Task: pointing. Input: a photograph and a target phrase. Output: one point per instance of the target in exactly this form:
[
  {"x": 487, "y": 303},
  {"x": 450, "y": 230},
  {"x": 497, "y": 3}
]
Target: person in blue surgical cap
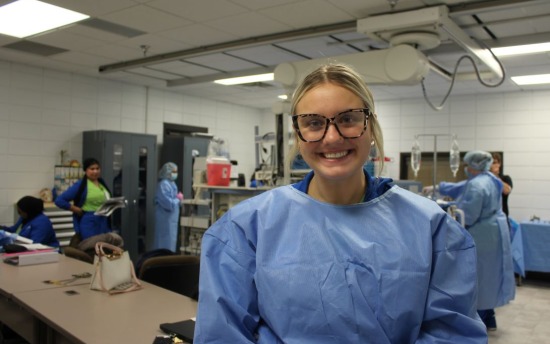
[
  {"x": 167, "y": 208},
  {"x": 341, "y": 256},
  {"x": 480, "y": 199}
]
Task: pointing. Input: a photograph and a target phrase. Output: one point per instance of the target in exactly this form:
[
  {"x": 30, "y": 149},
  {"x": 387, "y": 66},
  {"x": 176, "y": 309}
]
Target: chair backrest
[
  {"x": 77, "y": 254},
  {"x": 178, "y": 273}
]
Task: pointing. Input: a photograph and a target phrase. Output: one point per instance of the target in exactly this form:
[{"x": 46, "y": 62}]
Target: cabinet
[
  {"x": 62, "y": 221},
  {"x": 129, "y": 168},
  {"x": 217, "y": 201}
]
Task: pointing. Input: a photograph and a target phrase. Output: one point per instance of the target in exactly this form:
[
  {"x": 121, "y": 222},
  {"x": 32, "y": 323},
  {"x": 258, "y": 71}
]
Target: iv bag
[
  {"x": 415, "y": 158},
  {"x": 454, "y": 157}
]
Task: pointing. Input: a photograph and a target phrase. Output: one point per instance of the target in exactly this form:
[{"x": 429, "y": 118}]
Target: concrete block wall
[{"x": 44, "y": 111}]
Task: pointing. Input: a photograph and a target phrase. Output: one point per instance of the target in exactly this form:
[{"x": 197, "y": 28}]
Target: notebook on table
[{"x": 184, "y": 330}]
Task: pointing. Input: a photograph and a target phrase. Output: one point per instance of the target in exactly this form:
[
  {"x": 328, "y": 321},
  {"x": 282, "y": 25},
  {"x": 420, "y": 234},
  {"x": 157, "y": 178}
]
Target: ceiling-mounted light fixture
[
  {"x": 538, "y": 79},
  {"x": 521, "y": 49},
  {"x": 245, "y": 79},
  {"x": 25, "y": 18}
]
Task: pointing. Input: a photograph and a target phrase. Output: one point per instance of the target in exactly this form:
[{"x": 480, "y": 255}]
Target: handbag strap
[{"x": 99, "y": 246}]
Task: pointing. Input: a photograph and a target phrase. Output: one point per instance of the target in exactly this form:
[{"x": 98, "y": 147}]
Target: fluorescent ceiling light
[
  {"x": 245, "y": 79},
  {"x": 532, "y": 79},
  {"x": 25, "y": 18},
  {"x": 521, "y": 49},
  {"x": 283, "y": 97}
]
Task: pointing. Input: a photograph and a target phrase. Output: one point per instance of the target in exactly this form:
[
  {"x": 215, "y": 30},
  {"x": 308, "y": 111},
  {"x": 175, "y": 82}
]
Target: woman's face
[
  {"x": 93, "y": 172},
  {"x": 495, "y": 167},
  {"x": 333, "y": 158},
  {"x": 22, "y": 213}
]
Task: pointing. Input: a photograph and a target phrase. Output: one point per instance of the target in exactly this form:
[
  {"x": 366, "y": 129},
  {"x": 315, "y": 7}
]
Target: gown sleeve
[
  {"x": 228, "y": 307},
  {"x": 450, "y": 314},
  {"x": 166, "y": 196},
  {"x": 452, "y": 189},
  {"x": 13, "y": 229},
  {"x": 471, "y": 202}
]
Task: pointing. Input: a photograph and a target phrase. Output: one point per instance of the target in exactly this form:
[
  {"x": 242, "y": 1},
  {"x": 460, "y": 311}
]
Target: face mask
[
  {"x": 174, "y": 176},
  {"x": 468, "y": 174}
]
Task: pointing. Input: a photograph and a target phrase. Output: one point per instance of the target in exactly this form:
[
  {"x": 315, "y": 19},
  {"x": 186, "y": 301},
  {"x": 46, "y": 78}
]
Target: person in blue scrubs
[
  {"x": 167, "y": 208},
  {"x": 33, "y": 223},
  {"x": 341, "y": 256},
  {"x": 83, "y": 198},
  {"x": 480, "y": 198}
]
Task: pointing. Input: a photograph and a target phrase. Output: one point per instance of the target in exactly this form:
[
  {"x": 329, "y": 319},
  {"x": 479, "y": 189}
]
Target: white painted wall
[
  {"x": 518, "y": 124},
  {"x": 43, "y": 111}
]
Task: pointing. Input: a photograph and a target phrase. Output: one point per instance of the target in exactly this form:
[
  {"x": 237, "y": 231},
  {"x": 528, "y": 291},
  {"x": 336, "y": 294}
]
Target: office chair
[
  {"x": 76, "y": 253},
  {"x": 84, "y": 250},
  {"x": 178, "y": 273}
]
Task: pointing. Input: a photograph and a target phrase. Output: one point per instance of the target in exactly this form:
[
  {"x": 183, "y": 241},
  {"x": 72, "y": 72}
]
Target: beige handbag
[{"x": 114, "y": 272}]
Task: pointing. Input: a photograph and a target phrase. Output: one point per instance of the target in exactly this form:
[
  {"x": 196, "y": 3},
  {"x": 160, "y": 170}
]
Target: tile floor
[{"x": 527, "y": 318}]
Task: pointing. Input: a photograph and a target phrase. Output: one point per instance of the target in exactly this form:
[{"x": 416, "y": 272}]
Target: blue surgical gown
[
  {"x": 480, "y": 199},
  {"x": 167, "y": 211},
  {"x": 283, "y": 267}
]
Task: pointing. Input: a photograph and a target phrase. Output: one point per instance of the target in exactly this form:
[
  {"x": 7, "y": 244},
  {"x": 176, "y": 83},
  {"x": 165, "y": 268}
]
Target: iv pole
[{"x": 435, "y": 136}]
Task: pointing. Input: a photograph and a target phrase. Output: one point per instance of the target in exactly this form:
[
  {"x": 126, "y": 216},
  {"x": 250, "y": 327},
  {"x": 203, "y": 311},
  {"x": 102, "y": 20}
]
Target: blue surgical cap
[
  {"x": 479, "y": 160},
  {"x": 166, "y": 170}
]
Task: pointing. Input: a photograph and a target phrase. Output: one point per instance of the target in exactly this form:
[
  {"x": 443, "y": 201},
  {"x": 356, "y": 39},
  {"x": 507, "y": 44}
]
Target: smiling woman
[{"x": 332, "y": 252}]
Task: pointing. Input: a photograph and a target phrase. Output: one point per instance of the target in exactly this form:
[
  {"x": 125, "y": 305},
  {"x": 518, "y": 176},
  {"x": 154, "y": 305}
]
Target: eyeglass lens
[{"x": 350, "y": 124}]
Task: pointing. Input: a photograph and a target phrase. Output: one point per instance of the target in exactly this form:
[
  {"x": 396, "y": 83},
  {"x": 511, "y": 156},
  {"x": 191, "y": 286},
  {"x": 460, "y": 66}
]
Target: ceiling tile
[
  {"x": 184, "y": 69},
  {"x": 66, "y": 40},
  {"x": 145, "y": 18},
  {"x": 222, "y": 62},
  {"x": 93, "y": 8},
  {"x": 261, "y": 4},
  {"x": 242, "y": 25},
  {"x": 198, "y": 10},
  {"x": 198, "y": 35},
  {"x": 300, "y": 14}
]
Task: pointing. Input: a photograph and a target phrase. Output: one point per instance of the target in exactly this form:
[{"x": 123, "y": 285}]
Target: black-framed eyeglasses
[{"x": 350, "y": 124}]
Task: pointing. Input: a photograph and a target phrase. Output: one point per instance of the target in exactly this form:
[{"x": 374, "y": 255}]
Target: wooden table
[
  {"x": 46, "y": 313},
  {"x": 22, "y": 279},
  {"x": 96, "y": 317}
]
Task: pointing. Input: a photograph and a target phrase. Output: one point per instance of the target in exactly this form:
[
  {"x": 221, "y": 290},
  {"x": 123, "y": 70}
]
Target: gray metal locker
[{"x": 129, "y": 168}]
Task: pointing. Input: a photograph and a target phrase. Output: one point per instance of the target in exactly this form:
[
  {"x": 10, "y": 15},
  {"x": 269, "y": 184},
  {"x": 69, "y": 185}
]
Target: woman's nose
[{"x": 332, "y": 133}]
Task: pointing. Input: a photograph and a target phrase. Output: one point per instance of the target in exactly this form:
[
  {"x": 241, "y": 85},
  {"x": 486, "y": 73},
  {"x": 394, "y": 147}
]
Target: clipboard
[{"x": 184, "y": 330}]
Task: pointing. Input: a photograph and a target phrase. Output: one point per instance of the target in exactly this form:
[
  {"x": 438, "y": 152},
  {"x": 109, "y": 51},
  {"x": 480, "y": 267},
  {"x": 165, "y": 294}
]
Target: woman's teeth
[{"x": 335, "y": 155}]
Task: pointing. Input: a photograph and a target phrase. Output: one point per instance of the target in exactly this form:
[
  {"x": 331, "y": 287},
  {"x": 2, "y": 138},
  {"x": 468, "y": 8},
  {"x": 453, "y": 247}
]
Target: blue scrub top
[{"x": 283, "y": 267}]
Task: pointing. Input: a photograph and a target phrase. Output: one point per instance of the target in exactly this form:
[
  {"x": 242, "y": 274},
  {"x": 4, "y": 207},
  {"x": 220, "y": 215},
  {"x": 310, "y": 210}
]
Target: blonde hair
[{"x": 344, "y": 76}]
